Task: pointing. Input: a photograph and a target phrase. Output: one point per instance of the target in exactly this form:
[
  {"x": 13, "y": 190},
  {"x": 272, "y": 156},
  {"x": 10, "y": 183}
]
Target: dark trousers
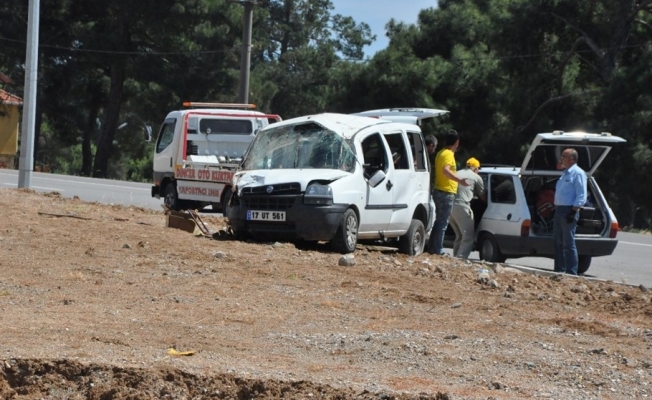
[
  {"x": 563, "y": 236},
  {"x": 443, "y": 209}
]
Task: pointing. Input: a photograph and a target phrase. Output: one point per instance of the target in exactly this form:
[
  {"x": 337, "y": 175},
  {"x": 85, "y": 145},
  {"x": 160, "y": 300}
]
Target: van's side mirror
[{"x": 376, "y": 178}]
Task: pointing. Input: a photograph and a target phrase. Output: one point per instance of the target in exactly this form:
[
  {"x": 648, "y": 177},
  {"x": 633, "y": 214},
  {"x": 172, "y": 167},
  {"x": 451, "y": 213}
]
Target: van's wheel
[
  {"x": 171, "y": 198},
  {"x": 583, "y": 264},
  {"x": 241, "y": 235},
  {"x": 489, "y": 250},
  {"x": 346, "y": 237},
  {"x": 414, "y": 240},
  {"x": 226, "y": 199}
]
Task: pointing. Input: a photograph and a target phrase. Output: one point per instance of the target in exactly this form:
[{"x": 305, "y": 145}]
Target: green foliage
[
  {"x": 140, "y": 170},
  {"x": 506, "y": 69},
  {"x": 68, "y": 160}
]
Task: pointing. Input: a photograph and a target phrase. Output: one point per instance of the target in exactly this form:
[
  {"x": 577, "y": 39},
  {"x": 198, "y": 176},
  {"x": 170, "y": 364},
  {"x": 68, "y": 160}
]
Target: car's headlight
[{"x": 317, "y": 193}]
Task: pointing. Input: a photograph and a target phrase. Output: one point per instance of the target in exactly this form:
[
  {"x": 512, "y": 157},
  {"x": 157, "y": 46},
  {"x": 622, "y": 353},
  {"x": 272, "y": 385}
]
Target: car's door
[
  {"x": 402, "y": 178},
  {"x": 506, "y": 206},
  {"x": 546, "y": 148},
  {"x": 408, "y": 184},
  {"x": 377, "y": 211},
  {"x": 166, "y": 145}
]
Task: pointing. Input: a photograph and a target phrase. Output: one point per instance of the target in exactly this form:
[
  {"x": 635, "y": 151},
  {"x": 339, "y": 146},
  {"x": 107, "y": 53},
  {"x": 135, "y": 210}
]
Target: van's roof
[{"x": 345, "y": 125}]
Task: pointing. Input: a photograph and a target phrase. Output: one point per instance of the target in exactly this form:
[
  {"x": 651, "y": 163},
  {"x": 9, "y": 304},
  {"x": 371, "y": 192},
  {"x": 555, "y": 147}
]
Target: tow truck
[{"x": 198, "y": 150}]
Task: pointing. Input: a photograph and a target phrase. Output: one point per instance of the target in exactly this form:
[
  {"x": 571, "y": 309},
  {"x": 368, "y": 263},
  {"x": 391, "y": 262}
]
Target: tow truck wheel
[
  {"x": 171, "y": 198},
  {"x": 346, "y": 237},
  {"x": 414, "y": 240}
]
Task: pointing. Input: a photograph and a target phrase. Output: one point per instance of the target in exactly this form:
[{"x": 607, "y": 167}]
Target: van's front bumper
[
  {"x": 302, "y": 221},
  {"x": 542, "y": 246}
]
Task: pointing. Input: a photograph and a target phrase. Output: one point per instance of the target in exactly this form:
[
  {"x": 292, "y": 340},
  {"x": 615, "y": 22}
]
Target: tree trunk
[
  {"x": 110, "y": 120},
  {"x": 626, "y": 15},
  {"x": 87, "y": 138},
  {"x": 87, "y": 152}
]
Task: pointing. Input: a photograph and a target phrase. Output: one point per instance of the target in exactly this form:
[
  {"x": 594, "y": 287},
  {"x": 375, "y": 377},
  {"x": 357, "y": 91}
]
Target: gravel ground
[{"x": 100, "y": 302}]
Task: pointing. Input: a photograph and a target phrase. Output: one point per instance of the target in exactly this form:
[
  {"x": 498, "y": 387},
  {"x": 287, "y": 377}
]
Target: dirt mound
[
  {"x": 64, "y": 379},
  {"x": 93, "y": 297}
]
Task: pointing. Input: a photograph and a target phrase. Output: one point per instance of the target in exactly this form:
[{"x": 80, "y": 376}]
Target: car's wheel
[
  {"x": 489, "y": 250},
  {"x": 414, "y": 240},
  {"x": 226, "y": 199},
  {"x": 171, "y": 198},
  {"x": 346, "y": 237},
  {"x": 584, "y": 262}
]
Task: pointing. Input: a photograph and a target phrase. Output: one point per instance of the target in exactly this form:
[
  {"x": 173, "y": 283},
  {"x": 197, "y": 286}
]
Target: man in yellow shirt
[{"x": 446, "y": 181}]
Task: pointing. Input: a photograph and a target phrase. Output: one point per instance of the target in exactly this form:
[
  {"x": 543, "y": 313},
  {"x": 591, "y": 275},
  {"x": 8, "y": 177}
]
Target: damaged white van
[{"x": 337, "y": 178}]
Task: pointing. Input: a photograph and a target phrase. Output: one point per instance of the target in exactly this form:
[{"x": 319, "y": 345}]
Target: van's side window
[
  {"x": 398, "y": 149},
  {"x": 374, "y": 154},
  {"x": 417, "y": 146},
  {"x": 166, "y": 134},
  {"x": 502, "y": 189}
]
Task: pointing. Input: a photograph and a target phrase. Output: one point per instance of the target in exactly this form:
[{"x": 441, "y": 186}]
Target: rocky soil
[{"x": 106, "y": 302}]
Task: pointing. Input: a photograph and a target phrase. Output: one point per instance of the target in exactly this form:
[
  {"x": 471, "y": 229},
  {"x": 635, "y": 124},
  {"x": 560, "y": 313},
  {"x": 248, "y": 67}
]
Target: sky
[{"x": 376, "y": 13}]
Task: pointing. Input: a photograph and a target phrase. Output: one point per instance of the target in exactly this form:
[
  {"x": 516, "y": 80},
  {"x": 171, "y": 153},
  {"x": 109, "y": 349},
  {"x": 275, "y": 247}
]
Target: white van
[
  {"x": 517, "y": 220},
  {"x": 338, "y": 178}
]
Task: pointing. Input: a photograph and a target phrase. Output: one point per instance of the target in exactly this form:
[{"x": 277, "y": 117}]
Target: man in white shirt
[{"x": 462, "y": 220}]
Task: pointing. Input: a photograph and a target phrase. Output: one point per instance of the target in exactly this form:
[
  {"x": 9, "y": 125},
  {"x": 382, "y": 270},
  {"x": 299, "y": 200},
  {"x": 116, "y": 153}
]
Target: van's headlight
[{"x": 318, "y": 194}]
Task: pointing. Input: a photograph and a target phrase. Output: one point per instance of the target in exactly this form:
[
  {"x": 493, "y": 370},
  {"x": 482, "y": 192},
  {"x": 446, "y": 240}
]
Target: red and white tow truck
[{"x": 199, "y": 148}]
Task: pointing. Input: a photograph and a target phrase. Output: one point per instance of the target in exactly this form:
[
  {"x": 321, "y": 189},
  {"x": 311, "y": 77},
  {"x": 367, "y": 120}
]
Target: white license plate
[{"x": 265, "y": 215}]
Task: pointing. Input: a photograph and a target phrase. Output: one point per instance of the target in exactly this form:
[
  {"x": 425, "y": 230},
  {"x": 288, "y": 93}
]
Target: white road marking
[
  {"x": 635, "y": 244},
  {"x": 37, "y": 187}
]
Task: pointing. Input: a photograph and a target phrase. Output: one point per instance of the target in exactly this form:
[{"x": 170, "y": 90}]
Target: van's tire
[
  {"x": 346, "y": 237},
  {"x": 413, "y": 242},
  {"x": 241, "y": 235},
  {"x": 171, "y": 197},
  {"x": 583, "y": 264},
  {"x": 226, "y": 199},
  {"x": 489, "y": 250}
]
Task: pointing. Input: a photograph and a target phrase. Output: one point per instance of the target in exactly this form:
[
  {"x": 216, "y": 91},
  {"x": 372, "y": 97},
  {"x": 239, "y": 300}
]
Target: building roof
[
  {"x": 4, "y": 78},
  {"x": 10, "y": 99}
]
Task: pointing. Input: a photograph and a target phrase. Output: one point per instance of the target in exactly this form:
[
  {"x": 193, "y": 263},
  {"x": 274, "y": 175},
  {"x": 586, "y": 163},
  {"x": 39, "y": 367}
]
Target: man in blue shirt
[{"x": 570, "y": 196}]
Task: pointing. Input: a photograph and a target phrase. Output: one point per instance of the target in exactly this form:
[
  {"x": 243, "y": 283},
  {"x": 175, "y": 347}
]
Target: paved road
[
  {"x": 88, "y": 189},
  {"x": 629, "y": 263}
]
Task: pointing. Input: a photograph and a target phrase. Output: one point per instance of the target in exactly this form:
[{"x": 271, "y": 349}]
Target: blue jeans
[
  {"x": 563, "y": 238},
  {"x": 443, "y": 209}
]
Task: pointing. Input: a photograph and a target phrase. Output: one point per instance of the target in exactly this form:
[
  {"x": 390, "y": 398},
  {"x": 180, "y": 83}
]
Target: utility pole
[
  {"x": 245, "y": 58},
  {"x": 26, "y": 163}
]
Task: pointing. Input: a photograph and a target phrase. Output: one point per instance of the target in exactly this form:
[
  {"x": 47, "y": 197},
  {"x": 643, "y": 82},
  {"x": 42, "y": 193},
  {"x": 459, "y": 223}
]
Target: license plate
[{"x": 265, "y": 215}]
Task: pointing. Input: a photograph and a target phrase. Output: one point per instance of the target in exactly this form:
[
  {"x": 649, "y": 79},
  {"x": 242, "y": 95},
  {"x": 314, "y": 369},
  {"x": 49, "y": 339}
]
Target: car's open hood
[
  {"x": 264, "y": 177},
  {"x": 546, "y": 149}
]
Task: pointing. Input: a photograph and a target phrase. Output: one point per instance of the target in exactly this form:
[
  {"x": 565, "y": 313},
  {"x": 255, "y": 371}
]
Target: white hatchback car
[
  {"x": 516, "y": 221},
  {"x": 337, "y": 178}
]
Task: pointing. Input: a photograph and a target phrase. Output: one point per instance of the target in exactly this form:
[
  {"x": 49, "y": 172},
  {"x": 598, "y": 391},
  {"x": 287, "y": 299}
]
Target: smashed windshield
[{"x": 307, "y": 145}]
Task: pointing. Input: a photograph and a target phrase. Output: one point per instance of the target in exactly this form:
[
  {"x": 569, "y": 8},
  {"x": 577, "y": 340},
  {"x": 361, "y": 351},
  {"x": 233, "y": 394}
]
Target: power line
[
  {"x": 191, "y": 52},
  {"x": 118, "y": 52}
]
